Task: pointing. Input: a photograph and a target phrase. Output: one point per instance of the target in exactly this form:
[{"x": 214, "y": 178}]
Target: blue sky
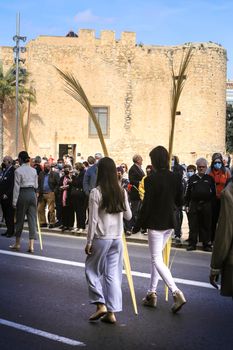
[{"x": 156, "y": 22}]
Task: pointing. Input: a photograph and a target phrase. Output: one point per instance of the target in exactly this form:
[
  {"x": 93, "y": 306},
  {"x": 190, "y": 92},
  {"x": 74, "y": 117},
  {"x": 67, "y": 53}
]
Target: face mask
[
  {"x": 190, "y": 173},
  {"x": 217, "y": 166},
  {"x": 59, "y": 166},
  {"x": 172, "y": 162},
  {"x": 46, "y": 170}
]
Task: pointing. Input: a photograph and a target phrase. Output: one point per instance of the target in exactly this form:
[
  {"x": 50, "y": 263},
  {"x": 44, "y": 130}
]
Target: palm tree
[{"x": 8, "y": 93}]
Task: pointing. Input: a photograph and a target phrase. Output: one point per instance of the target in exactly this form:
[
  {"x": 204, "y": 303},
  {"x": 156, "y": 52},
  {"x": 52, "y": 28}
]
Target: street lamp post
[{"x": 17, "y": 49}]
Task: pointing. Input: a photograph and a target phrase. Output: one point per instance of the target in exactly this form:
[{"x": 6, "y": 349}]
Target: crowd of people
[{"x": 109, "y": 199}]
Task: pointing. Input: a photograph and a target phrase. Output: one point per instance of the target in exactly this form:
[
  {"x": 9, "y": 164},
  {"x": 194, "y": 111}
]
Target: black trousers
[
  {"x": 8, "y": 213},
  {"x": 200, "y": 220},
  {"x": 215, "y": 216},
  {"x": 68, "y": 216},
  {"x": 135, "y": 208},
  {"x": 178, "y": 222},
  {"x": 79, "y": 203}
]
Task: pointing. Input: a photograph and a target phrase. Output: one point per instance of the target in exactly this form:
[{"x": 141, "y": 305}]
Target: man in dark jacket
[
  {"x": 48, "y": 183},
  {"x": 6, "y": 194},
  {"x": 135, "y": 176},
  {"x": 198, "y": 201}
]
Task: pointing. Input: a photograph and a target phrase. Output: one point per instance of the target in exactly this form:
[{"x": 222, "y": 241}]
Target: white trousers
[
  {"x": 103, "y": 270},
  {"x": 157, "y": 241}
]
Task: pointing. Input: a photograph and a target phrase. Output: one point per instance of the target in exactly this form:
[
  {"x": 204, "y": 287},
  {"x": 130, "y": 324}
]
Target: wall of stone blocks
[{"x": 135, "y": 82}]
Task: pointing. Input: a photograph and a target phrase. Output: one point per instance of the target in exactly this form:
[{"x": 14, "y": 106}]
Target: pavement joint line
[
  {"x": 82, "y": 265},
  {"x": 41, "y": 333}
]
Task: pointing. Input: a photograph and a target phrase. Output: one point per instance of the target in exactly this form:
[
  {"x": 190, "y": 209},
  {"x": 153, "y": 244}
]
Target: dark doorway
[{"x": 69, "y": 149}]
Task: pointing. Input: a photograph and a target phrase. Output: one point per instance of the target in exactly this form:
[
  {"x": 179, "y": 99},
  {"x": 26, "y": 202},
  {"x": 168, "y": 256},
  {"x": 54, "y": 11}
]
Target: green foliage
[
  {"x": 8, "y": 83},
  {"x": 229, "y": 128}
]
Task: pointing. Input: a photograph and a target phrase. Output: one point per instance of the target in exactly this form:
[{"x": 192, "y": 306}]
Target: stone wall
[{"x": 134, "y": 81}]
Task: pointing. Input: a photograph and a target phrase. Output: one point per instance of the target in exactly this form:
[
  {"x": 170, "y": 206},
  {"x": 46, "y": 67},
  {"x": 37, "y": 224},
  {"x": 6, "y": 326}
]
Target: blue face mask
[
  {"x": 190, "y": 173},
  {"x": 172, "y": 162},
  {"x": 217, "y": 166},
  {"x": 59, "y": 166}
]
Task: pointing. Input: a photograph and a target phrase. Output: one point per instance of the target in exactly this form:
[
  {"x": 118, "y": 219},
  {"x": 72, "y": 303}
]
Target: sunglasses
[{"x": 217, "y": 163}]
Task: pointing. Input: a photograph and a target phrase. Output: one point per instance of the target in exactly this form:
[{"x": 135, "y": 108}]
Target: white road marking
[
  {"x": 40, "y": 333},
  {"x": 79, "y": 264}
]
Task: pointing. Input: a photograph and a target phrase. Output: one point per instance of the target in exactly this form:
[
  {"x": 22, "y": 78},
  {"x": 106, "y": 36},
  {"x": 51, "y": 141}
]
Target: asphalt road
[{"x": 44, "y": 302}]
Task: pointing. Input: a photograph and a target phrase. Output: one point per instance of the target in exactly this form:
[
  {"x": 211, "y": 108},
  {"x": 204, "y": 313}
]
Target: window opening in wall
[{"x": 102, "y": 115}]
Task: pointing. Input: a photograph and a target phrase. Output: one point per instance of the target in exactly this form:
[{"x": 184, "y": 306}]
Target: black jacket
[
  {"x": 163, "y": 193},
  {"x": 200, "y": 189},
  {"x": 135, "y": 176},
  {"x": 7, "y": 183}
]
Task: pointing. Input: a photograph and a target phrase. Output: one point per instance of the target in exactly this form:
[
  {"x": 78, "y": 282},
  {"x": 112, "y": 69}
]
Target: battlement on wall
[{"x": 87, "y": 37}]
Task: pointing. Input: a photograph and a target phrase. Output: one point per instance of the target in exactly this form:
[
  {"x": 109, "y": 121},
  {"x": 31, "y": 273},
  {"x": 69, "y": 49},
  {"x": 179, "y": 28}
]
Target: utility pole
[{"x": 17, "y": 49}]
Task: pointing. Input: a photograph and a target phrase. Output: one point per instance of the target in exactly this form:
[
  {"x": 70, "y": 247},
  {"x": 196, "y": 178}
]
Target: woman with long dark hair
[
  {"x": 163, "y": 192},
  {"x": 108, "y": 205}
]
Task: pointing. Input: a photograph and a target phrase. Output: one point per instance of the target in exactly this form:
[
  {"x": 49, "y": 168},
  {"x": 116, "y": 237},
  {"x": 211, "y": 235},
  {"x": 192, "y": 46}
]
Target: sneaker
[
  {"x": 178, "y": 241},
  {"x": 51, "y": 225},
  {"x": 191, "y": 247},
  {"x": 207, "y": 248},
  {"x": 150, "y": 299},
  {"x": 128, "y": 233},
  {"x": 179, "y": 301},
  {"x": 80, "y": 230}
]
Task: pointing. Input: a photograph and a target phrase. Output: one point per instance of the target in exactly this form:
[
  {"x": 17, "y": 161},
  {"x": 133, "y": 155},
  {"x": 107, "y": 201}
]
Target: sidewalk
[{"x": 135, "y": 238}]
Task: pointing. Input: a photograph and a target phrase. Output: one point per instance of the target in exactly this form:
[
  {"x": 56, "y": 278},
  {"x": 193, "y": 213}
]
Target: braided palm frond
[
  {"x": 178, "y": 83},
  {"x": 75, "y": 90}
]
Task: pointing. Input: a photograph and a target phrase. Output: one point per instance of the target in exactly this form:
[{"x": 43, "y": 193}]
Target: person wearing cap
[
  {"x": 221, "y": 175},
  {"x": 24, "y": 200},
  {"x": 6, "y": 194}
]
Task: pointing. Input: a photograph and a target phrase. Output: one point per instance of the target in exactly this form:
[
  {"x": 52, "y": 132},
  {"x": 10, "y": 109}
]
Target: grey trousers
[
  {"x": 105, "y": 265},
  {"x": 26, "y": 205}
]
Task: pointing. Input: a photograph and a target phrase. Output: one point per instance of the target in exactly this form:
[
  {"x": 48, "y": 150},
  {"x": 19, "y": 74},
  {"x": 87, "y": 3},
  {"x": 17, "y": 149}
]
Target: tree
[
  {"x": 229, "y": 128},
  {"x": 8, "y": 93}
]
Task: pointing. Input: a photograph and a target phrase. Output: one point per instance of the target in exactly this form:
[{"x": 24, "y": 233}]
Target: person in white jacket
[{"x": 108, "y": 205}]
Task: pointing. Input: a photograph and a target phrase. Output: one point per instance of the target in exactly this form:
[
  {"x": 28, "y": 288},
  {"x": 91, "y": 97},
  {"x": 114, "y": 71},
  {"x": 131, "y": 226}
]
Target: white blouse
[{"x": 102, "y": 224}]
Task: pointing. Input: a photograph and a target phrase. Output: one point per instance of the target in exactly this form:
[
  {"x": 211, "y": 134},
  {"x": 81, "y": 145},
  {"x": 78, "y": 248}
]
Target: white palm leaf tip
[
  {"x": 178, "y": 83},
  {"x": 75, "y": 90}
]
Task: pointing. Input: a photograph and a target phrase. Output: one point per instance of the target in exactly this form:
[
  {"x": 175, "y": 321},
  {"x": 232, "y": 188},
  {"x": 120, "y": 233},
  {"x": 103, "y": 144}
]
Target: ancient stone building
[{"x": 130, "y": 87}]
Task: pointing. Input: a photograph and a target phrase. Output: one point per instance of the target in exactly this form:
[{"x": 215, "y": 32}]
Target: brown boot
[
  {"x": 179, "y": 301},
  {"x": 31, "y": 246},
  {"x": 100, "y": 311},
  {"x": 150, "y": 299},
  {"x": 109, "y": 317},
  {"x": 16, "y": 246}
]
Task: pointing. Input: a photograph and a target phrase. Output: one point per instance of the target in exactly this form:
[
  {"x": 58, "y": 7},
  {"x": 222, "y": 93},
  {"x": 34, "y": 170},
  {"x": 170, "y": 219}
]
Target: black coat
[
  {"x": 7, "y": 183},
  {"x": 135, "y": 176},
  {"x": 163, "y": 193}
]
